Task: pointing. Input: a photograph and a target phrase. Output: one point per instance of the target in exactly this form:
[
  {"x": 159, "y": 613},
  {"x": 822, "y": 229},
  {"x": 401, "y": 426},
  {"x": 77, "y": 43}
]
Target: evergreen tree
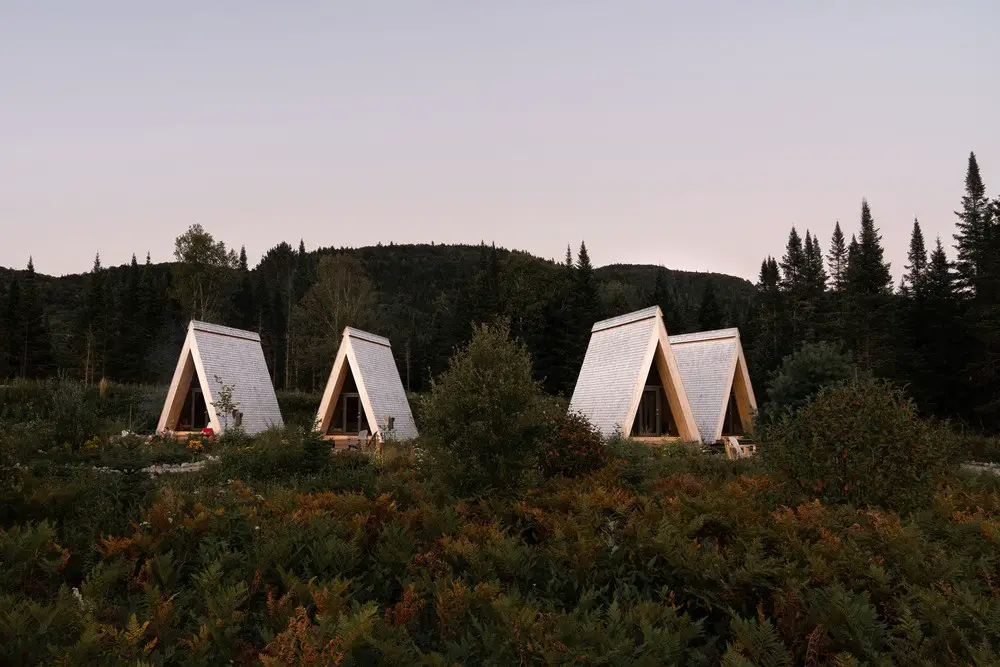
[
  {"x": 243, "y": 300},
  {"x": 95, "y": 323},
  {"x": 793, "y": 264},
  {"x": 814, "y": 281},
  {"x": 583, "y": 306},
  {"x": 868, "y": 293},
  {"x": 555, "y": 348},
  {"x": 127, "y": 346},
  {"x": 972, "y": 235},
  {"x": 917, "y": 258},
  {"x": 33, "y": 350},
  {"x": 943, "y": 341},
  {"x": 303, "y": 273},
  {"x": 710, "y": 313},
  {"x": 153, "y": 310},
  {"x": 837, "y": 259},
  {"x": 769, "y": 347}
]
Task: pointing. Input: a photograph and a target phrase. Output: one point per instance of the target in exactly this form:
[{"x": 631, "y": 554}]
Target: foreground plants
[{"x": 658, "y": 557}]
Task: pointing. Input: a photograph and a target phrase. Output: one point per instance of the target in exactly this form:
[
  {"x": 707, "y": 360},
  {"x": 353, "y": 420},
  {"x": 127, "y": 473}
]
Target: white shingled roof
[
  {"x": 618, "y": 360},
  {"x": 369, "y": 359},
  {"x": 223, "y": 355},
  {"x": 709, "y": 362}
]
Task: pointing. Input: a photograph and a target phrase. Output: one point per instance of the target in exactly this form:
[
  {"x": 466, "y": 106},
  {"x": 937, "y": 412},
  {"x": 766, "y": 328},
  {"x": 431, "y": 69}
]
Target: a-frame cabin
[
  {"x": 714, "y": 372},
  {"x": 213, "y": 356},
  {"x": 630, "y": 384},
  {"x": 364, "y": 393}
]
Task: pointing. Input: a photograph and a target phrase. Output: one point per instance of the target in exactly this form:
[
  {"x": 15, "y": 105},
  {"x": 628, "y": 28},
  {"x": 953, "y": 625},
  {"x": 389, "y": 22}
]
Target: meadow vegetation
[{"x": 550, "y": 548}]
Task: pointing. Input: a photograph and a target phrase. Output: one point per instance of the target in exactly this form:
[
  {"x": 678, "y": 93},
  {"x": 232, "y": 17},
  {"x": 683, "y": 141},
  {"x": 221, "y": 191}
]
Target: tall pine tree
[
  {"x": 868, "y": 296},
  {"x": 943, "y": 341},
  {"x": 31, "y": 347},
  {"x": 972, "y": 238},
  {"x": 916, "y": 257},
  {"x": 837, "y": 259}
]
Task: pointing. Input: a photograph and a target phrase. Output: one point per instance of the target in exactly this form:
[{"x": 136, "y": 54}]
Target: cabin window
[
  {"x": 348, "y": 414},
  {"x": 654, "y": 418},
  {"x": 194, "y": 414},
  {"x": 732, "y": 424}
]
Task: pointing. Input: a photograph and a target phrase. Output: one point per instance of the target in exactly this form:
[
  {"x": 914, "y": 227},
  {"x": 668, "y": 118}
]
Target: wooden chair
[{"x": 361, "y": 442}]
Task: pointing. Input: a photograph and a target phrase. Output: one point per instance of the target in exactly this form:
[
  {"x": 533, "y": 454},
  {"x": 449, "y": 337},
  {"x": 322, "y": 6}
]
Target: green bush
[
  {"x": 574, "y": 448},
  {"x": 484, "y": 419},
  {"x": 861, "y": 443},
  {"x": 802, "y": 375},
  {"x": 73, "y": 413}
]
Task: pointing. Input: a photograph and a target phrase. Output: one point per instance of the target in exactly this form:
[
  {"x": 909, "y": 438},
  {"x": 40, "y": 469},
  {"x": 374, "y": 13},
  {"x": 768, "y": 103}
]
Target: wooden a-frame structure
[
  {"x": 214, "y": 356},
  {"x": 630, "y": 383},
  {"x": 364, "y": 392},
  {"x": 717, "y": 382}
]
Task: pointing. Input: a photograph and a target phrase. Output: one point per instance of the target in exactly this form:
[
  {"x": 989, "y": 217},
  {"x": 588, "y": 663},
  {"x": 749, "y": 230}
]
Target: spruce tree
[
  {"x": 868, "y": 294},
  {"x": 585, "y": 295},
  {"x": 710, "y": 313},
  {"x": 972, "y": 235},
  {"x": 35, "y": 353},
  {"x": 95, "y": 323},
  {"x": 127, "y": 345},
  {"x": 768, "y": 344},
  {"x": 793, "y": 264},
  {"x": 837, "y": 259},
  {"x": 555, "y": 349},
  {"x": 917, "y": 261},
  {"x": 153, "y": 308},
  {"x": 243, "y": 298},
  {"x": 584, "y": 307},
  {"x": 943, "y": 342},
  {"x": 814, "y": 283}
]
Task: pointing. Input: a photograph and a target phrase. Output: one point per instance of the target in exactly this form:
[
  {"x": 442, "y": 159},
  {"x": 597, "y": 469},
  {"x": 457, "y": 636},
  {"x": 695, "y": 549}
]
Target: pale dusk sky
[{"x": 692, "y": 135}]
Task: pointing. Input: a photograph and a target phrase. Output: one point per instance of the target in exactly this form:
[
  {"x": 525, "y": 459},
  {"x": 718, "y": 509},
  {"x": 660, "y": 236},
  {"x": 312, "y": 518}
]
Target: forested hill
[{"x": 126, "y": 322}]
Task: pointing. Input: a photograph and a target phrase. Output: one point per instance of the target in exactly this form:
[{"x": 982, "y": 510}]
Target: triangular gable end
[
  {"x": 189, "y": 366},
  {"x": 237, "y": 359},
  {"x": 620, "y": 355},
  {"x": 714, "y": 371},
  {"x": 368, "y": 360}
]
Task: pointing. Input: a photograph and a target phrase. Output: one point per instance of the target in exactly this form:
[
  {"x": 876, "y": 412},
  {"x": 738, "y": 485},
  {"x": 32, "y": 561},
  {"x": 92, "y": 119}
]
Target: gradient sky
[{"x": 688, "y": 134}]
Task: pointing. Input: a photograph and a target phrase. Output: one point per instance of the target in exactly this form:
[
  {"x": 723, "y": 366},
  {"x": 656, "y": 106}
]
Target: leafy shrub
[
  {"x": 862, "y": 443},
  {"x": 802, "y": 375},
  {"x": 484, "y": 419},
  {"x": 574, "y": 448},
  {"x": 274, "y": 454},
  {"x": 73, "y": 413}
]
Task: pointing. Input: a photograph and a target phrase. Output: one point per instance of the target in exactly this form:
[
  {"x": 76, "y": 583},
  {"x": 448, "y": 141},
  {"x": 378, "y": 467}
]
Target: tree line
[
  {"x": 937, "y": 331},
  {"x": 126, "y": 323}
]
